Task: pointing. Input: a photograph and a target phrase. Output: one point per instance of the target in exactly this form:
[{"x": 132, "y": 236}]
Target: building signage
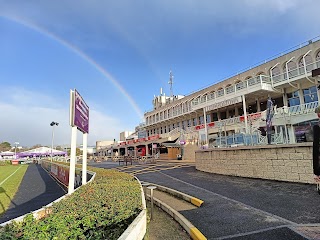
[
  {"x": 155, "y": 137},
  {"x": 251, "y": 117},
  {"x": 130, "y": 142},
  {"x": 202, "y": 126},
  {"x": 122, "y": 143},
  {"x": 141, "y": 140},
  {"x": 224, "y": 103},
  {"x": 79, "y": 112}
]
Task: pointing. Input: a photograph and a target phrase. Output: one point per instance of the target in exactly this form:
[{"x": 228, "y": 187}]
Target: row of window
[
  {"x": 292, "y": 68},
  {"x": 309, "y": 95}
]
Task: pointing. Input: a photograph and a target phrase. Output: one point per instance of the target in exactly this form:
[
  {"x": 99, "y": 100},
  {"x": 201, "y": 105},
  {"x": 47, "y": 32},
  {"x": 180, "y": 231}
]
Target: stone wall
[
  {"x": 291, "y": 163},
  {"x": 189, "y": 151}
]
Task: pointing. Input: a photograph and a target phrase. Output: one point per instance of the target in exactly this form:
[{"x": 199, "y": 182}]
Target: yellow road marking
[{"x": 196, "y": 234}]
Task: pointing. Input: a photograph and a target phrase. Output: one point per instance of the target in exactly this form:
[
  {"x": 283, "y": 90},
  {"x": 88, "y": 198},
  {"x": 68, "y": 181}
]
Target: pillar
[
  {"x": 285, "y": 98},
  {"x": 292, "y": 137},
  {"x": 244, "y": 106},
  {"x": 205, "y": 125},
  {"x": 301, "y": 98},
  {"x": 258, "y": 105},
  {"x": 236, "y": 111}
]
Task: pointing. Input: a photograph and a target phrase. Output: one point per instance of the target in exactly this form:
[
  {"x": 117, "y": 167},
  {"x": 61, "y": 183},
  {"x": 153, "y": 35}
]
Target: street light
[
  {"x": 52, "y": 124},
  {"x": 15, "y": 149}
]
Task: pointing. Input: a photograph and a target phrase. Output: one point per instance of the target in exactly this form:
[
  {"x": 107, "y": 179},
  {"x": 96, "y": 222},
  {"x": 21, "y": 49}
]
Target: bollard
[
  {"x": 144, "y": 185},
  {"x": 151, "y": 197}
]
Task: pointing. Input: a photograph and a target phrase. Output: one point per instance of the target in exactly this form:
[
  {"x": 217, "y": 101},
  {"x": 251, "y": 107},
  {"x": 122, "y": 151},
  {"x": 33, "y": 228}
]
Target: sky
[{"x": 118, "y": 54}]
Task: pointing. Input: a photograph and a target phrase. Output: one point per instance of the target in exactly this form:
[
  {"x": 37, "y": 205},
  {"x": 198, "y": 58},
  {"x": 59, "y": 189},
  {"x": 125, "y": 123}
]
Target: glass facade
[
  {"x": 293, "y": 99},
  {"x": 310, "y": 95}
]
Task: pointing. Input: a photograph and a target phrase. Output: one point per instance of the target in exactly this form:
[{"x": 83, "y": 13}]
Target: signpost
[{"x": 79, "y": 120}]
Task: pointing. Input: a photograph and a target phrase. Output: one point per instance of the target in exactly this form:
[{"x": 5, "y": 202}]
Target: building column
[
  {"x": 285, "y": 98},
  {"x": 236, "y": 111},
  {"x": 219, "y": 115},
  {"x": 205, "y": 125},
  {"x": 147, "y": 150},
  {"x": 292, "y": 137},
  {"x": 258, "y": 105},
  {"x": 301, "y": 98},
  {"x": 244, "y": 106}
]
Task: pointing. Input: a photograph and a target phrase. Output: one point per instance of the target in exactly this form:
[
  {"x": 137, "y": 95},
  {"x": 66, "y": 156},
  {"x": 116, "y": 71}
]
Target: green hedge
[
  {"x": 5, "y": 162},
  {"x": 102, "y": 209}
]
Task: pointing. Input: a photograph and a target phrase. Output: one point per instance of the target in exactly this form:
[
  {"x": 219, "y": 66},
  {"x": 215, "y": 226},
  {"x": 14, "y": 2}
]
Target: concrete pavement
[{"x": 239, "y": 208}]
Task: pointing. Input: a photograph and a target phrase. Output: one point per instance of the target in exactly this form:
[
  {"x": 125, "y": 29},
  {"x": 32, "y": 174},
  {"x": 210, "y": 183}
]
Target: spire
[{"x": 171, "y": 83}]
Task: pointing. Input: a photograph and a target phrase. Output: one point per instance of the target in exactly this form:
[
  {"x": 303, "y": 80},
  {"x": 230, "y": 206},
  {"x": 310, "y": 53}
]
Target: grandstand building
[{"x": 235, "y": 111}]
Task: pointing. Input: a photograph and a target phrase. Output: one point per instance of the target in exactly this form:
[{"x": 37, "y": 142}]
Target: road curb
[
  {"x": 193, "y": 232},
  {"x": 193, "y": 200}
]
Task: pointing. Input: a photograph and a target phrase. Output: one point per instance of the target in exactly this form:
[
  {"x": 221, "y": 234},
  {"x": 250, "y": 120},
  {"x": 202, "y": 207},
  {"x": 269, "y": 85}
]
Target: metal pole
[
  {"x": 151, "y": 198},
  {"x": 84, "y": 159},
  {"x": 72, "y": 169},
  {"x": 52, "y": 140}
]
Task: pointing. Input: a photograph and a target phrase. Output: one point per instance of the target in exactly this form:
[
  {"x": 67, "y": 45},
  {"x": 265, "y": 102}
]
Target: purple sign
[{"x": 80, "y": 113}]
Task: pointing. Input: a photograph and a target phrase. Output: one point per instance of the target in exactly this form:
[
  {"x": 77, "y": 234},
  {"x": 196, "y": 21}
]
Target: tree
[
  {"x": 5, "y": 146},
  {"x": 78, "y": 152}
]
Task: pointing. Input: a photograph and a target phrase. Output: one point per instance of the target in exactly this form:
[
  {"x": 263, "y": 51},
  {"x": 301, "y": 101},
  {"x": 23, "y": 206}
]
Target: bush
[
  {"x": 5, "y": 162},
  {"x": 102, "y": 209}
]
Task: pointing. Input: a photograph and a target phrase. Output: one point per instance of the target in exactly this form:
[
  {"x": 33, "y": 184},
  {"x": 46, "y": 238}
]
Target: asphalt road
[
  {"x": 37, "y": 189},
  {"x": 238, "y": 208}
]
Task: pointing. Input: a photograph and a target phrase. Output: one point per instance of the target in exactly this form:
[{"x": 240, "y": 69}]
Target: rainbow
[{"x": 80, "y": 53}]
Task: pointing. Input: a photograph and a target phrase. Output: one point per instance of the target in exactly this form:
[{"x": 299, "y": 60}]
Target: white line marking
[{"x": 9, "y": 176}]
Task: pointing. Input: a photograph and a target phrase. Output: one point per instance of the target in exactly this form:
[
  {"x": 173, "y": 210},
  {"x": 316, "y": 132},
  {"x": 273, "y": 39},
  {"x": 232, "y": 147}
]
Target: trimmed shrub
[
  {"x": 5, "y": 162},
  {"x": 102, "y": 209}
]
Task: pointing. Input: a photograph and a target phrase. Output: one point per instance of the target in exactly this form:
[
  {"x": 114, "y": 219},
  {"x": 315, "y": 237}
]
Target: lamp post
[
  {"x": 52, "y": 124},
  {"x": 15, "y": 149}
]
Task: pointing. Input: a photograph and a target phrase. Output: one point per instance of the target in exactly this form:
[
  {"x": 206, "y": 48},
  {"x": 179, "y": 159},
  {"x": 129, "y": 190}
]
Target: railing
[
  {"x": 295, "y": 72},
  {"x": 255, "y": 138},
  {"x": 296, "y": 110}
]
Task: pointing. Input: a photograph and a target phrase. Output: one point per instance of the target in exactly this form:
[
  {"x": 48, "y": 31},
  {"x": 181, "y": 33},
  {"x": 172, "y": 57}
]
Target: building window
[
  {"x": 215, "y": 116},
  {"x": 189, "y": 123},
  {"x": 310, "y": 95},
  {"x": 208, "y": 118},
  {"x": 232, "y": 113},
  {"x": 201, "y": 120},
  {"x": 194, "y": 122},
  {"x": 293, "y": 99},
  {"x": 223, "y": 115},
  {"x": 275, "y": 74}
]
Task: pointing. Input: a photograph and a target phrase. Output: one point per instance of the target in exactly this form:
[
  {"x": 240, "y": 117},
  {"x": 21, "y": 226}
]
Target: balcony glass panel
[
  {"x": 220, "y": 92},
  {"x": 230, "y": 89},
  {"x": 240, "y": 85}
]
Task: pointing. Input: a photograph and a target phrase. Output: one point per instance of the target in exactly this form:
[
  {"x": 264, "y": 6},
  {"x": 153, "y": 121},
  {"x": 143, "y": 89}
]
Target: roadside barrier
[{"x": 185, "y": 223}]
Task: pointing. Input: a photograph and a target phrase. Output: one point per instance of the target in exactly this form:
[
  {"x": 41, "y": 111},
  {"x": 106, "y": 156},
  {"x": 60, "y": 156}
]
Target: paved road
[
  {"x": 239, "y": 208},
  {"x": 36, "y": 190}
]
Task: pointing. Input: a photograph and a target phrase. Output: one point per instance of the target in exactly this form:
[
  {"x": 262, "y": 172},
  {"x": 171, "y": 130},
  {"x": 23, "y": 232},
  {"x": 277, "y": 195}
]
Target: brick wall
[{"x": 291, "y": 163}]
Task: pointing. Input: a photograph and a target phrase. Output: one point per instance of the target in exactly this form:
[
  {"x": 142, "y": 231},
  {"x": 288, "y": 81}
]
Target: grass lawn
[{"x": 10, "y": 179}]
